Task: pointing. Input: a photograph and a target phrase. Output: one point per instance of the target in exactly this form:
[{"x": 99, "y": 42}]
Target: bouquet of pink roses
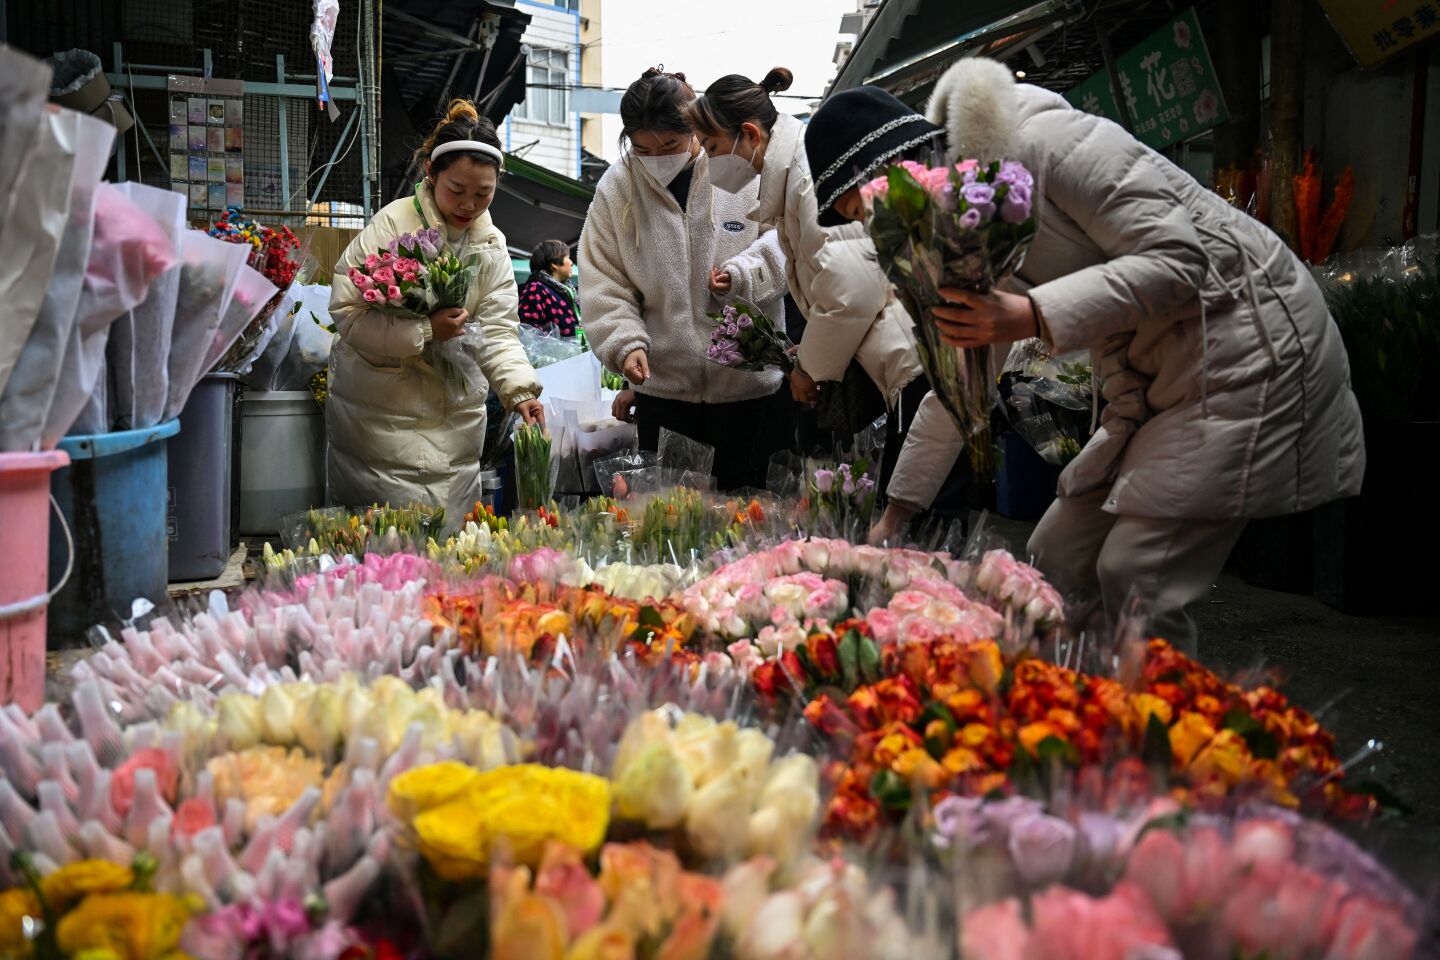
[
  {"x": 962, "y": 226},
  {"x": 418, "y": 275}
]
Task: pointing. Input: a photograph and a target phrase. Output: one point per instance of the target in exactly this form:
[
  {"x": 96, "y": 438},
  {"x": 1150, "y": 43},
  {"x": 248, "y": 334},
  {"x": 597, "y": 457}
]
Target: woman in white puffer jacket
[
  {"x": 834, "y": 276},
  {"x": 660, "y": 250}
]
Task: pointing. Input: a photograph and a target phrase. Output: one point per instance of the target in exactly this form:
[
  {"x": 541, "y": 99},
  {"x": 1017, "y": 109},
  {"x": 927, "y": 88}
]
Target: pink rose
[
  {"x": 192, "y": 816},
  {"x": 385, "y": 275},
  {"x": 409, "y": 276},
  {"x": 1043, "y": 849},
  {"x": 1369, "y": 930},
  {"x": 371, "y": 263},
  {"x": 916, "y": 170},
  {"x": 1069, "y": 925},
  {"x": 1283, "y": 912},
  {"x": 994, "y": 932},
  {"x": 394, "y": 293},
  {"x": 879, "y": 187},
  {"x": 122, "y": 781},
  {"x": 386, "y": 256},
  {"x": 884, "y": 624},
  {"x": 579, "y": 895},
  {"x": 373, "y": 296},
  {"x": 1182, "y": 878},
  {"x": 1263, "y": 843},
  {"x": 358, "y": 278}
]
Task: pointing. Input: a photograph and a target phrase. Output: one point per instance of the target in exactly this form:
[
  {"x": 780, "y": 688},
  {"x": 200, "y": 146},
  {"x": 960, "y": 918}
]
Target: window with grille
[{"x": 547, "y": 97}]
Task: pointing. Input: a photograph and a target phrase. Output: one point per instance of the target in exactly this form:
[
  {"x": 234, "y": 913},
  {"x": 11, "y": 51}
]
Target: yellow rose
[
  {"x": 133, "y": 926},
  {"x": 15, "y": 906},
  {"x": 987, "y": 667},
  {"x": 1226, "y": 757},
  {"x": 529, "y": 804},
  {"x": 197, "y": 726},
  {"x": 237, "y": 719},
  {"x": 82, "y": 878},
  {"x": 1191, "y": 732},
  {"x": 317, "y": 721},
  {"x": 1147, "y": 705},
  {"x": 481, "y": 740},
  {"x": 277, "y": 717},
  {"x": 654, "y": 789},
  {"x": 648, "y": 728},
  {"x": 756, "y": 749},
  {"x": 424, "y": 788},
  {"x": 454, "y": 840}
]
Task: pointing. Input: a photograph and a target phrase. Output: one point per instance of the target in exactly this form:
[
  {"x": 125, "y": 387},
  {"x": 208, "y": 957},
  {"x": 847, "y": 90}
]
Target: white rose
[
  {"x": 716, "y": 823},
  {"x": 745, "y": 887},
  {"x": 789, "y": 597},
  {"x": 833, "y": 928},
  {"x": 654, "y": 788},
  {"x": 755, "y": 751},
  {"x": 707, "y": 749},
  {"x": 776, "y": 930},
  {"x": 649, "y": 728}
]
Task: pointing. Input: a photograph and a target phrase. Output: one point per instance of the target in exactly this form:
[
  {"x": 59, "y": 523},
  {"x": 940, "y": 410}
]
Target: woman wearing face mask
[
  {"x": 1227, "y": 383},
  {"x": 394, "y": 435},
  {"x": 661, "y": 249},
  {"x": 545, "y": 300},
  {"x": 833, "y": 272}
]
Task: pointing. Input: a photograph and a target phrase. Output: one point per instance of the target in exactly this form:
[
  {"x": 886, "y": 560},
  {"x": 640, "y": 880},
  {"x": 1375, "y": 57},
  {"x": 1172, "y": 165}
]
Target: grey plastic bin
[
  {"x": 202, "y": 457},
  {"x": 282, "y": 458}
]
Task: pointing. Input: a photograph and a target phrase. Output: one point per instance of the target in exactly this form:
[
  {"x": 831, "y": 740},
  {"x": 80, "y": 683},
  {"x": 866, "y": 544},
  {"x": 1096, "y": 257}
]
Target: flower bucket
[
  {"x": 113, "y": 497},
  {"x": 201, "y": 456},
  {"x": 282, "y": 458},
  {"x": 24, "y": 591}
]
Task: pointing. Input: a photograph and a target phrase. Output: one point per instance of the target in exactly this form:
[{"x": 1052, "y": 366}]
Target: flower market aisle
[{"x": 669, "y": 728}]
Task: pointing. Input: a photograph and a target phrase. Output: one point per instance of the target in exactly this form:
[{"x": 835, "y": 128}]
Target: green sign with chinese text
[{"x": 1168, "y": 82}]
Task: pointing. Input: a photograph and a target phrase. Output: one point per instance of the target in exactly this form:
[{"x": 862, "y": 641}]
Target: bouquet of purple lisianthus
[
  {"x": 744, "y": 338},
  {"x": 960, "y": 225}
]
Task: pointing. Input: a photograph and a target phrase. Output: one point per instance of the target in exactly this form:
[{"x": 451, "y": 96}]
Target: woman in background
[
  {"x": 662, "y": 249},
  {"x": 546, "y": 300},
  {"x": 394, "y": 436}
]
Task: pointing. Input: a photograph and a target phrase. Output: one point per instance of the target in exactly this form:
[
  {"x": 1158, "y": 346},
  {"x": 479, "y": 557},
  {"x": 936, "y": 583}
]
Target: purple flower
[
  {"x": 980, "y": 196},
  {"x": 1014, "y": 173},
  {"x": 971, "y": 219},
  {"x": 744, "y": 322},
  {"x": 729, "y": 312},
  {"x": 959, "y": 818},
  {"x": 1043, "y": 848},
  {"x": 407, "y": 240},
  {"x": 848, "y": 488},
  {"x": 1016, "y": 206},
  {"x": 732, "y": 329},
  {"x": 824, "y": 481},
  {"x": 845, "y": 470},
  {"x": 395, "y": 246},
  {"x": 714, "y": 352},
  {"x": 865, "y": 484}
]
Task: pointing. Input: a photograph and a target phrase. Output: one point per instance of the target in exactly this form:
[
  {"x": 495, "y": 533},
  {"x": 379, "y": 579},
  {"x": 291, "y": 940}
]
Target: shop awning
[
  {"x": 535, "y": 204},
  {"x": 435, "y": 50}
]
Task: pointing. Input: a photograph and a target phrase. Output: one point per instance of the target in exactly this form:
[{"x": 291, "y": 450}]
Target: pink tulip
[
  {"x": 1284, "y": 911},
  {"x": 994, "y": 932},
  {"x": 1182, "y": 878},
  {"x": 1070, "y": 925},
  {"x": 1369, "y": 930},
  {"x": 1263, "y": 843},
  {"x": 122, "y": 782}
]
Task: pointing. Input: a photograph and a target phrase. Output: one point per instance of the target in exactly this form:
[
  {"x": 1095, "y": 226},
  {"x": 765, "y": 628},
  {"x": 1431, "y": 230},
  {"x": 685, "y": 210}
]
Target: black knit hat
[{"x": 854, "y": 133}]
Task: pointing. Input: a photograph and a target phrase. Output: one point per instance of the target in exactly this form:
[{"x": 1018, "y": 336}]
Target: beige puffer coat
[
  {"x": 645, "y": 280},
  {"x": 834, "y": 276},
  {"x": 393, "y": 435},
  {"x": 1227, "y": 384}
]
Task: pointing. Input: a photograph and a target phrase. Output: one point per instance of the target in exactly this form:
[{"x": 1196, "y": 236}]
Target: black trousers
[
  {"x": 953, "y": 500},
  {"x": 744, "y": 434}
]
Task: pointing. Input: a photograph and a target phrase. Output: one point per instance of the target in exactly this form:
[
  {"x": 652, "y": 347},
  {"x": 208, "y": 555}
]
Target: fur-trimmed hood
[{"x": 976, "y": 102}]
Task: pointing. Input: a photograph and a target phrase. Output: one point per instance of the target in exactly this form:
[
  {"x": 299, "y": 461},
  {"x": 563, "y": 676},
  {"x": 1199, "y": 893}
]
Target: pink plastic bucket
[{"x": 24, "y": 563}]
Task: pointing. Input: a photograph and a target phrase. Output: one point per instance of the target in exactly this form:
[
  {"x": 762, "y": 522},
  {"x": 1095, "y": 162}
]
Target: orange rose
[
  {"x": 1034, "y": 734},
  {"x": 1189, "y": 734}
]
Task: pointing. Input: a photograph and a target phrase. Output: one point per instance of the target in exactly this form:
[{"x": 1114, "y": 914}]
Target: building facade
[{"x": 545, "y": 128}]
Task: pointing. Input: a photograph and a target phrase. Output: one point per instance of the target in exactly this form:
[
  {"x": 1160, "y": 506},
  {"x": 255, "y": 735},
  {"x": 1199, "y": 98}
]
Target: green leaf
[
  {"x": 850, "y": 660},
  {"x": 1053, "y": 749},
  {"x": 905, "y": 196},
  {"x": 651, "y": 617},
  {"x": 869, "y": 658},
  {"x": 1262, "y": 743},
  {"x": 1155, "y": 750},
  {"x": 890, "y": 791}
]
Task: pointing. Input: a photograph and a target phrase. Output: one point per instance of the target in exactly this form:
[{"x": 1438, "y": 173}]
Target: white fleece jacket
[{"x": 645, "y": 280}]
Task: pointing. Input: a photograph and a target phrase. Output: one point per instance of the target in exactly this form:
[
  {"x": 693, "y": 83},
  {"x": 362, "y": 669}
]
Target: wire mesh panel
[{"x": 243, "y": 38}]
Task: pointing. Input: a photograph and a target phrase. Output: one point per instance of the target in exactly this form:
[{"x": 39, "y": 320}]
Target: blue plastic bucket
[{"x": 113, "y": 496}]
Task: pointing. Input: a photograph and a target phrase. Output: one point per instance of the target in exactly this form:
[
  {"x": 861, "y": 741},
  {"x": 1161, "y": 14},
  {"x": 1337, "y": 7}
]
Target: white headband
[{"x": 467, "y": 145}]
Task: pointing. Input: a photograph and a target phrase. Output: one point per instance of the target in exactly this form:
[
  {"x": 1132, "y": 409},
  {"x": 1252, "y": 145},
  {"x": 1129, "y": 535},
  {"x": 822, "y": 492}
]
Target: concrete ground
[{"x": 1382, "y": 670}]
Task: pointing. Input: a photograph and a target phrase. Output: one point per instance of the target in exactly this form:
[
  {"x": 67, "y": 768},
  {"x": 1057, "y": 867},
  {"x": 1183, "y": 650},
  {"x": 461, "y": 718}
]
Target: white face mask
[
  {"x": 665, "y": 168},
  {"x": 732, "y": 172}
]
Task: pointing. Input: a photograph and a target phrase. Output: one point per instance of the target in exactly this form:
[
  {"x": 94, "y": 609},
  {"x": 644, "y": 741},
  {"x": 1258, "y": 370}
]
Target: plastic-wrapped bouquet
[
  {"x": 841, "y": 500},
  {"x": 419, "y": 275},
  {"x": 962, "y": 226},
  {"x": 746, "y": 339}
]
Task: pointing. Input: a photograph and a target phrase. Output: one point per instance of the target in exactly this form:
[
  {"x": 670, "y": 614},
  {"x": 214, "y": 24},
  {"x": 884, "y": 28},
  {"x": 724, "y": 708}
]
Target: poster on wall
[
  {"x": 1168, "y": 82},
  {"x": 207, "y": 143}
]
